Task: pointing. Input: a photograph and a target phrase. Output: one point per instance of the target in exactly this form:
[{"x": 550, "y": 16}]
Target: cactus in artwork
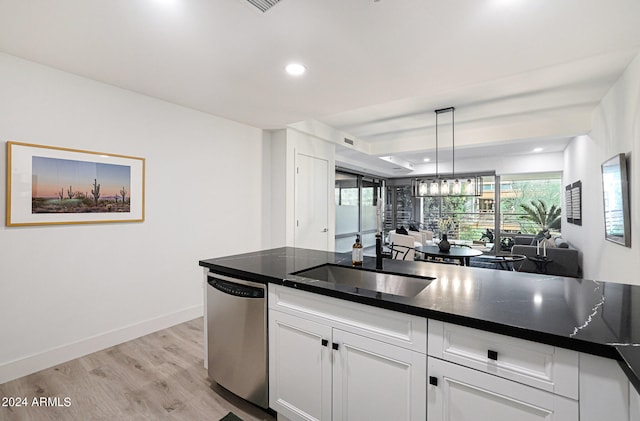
[
  {"x": 95, "y": 191},
  {"x": 61, "y": 194},
  {"x": 70, "y": 193},
  {"x": 123, "y": 193}
]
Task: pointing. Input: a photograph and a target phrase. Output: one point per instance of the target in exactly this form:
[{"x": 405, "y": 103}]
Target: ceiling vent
[{"x": 263, "y": 5}]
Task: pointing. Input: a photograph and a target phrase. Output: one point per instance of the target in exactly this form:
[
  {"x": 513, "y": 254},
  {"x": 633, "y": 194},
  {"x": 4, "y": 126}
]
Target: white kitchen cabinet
[
  {"x": 539, "y": 365},
  {"x": 604, "y": 390},
  {"x": 478, "y": 375},
  {"x": 322, "y": 366},
  {"x": 377, "y": 381},
  {"x": 457, "y": 393},
  {"x": 634, "y": 403},
  {"x": 392, "y": 327},
  {"x": 300, "y": 372}
]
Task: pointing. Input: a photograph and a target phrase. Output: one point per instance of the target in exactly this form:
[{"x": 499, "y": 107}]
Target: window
[
  {"x": 468, "y": 217},
  {"x": 356, "y": 209},
  {"x": 527, "y": 203},
  {"x": 531, "y": 202}
]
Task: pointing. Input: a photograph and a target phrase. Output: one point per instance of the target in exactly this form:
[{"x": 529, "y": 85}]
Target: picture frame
[
  {"x": 616, "y": 200},
  {"x": 49, "y": 185},
  {"x": 573, "y": 203}
]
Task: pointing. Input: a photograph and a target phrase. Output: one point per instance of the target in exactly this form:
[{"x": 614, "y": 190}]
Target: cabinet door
[
  {"x": 604, "y": 390},
  {"x": 634, "y": 403},
  {"x": 299, "y": 368},
  {"x": 373, "y": 380},
  {"x": 464, "y": 394}
]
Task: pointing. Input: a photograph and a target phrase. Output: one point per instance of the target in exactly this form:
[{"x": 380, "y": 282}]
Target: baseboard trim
[{"x": 33, "y": 363}]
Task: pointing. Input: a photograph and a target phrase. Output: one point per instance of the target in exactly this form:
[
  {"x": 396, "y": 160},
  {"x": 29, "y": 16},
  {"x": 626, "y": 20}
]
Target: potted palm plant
[{"x": 543, "y": 217}]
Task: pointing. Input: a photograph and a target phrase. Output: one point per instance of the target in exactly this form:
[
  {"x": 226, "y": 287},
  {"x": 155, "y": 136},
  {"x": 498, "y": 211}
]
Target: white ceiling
[{"x": 518, "y": 71}]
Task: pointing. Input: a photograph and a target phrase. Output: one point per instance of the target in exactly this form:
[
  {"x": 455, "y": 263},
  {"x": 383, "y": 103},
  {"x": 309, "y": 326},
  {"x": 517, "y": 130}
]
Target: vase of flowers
[{"x": 445, "y": 225}]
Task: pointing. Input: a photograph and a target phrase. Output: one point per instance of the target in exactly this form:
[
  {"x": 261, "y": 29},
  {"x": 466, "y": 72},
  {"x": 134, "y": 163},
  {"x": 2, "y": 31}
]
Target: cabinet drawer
[
  {"x": 460, "y": 393},
  {"x": 543, "y": 366},
  {"x": 405, "y": 330}
]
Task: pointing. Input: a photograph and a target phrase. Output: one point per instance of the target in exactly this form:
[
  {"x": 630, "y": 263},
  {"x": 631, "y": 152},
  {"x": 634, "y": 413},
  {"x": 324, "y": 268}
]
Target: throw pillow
[
  {"x": 413, "y": 227},
  {"x": 560, "y": 243},
  {"x": 402, "y": 230},
  {"x": 550, "y": 242}
]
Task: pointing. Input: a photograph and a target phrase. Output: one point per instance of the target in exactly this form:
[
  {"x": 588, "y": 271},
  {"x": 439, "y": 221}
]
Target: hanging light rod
[{"x": 439, "y": 186}]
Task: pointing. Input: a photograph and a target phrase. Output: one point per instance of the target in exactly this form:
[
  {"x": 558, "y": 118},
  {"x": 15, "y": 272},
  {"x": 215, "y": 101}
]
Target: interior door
[{"x": 311, "y": 202}]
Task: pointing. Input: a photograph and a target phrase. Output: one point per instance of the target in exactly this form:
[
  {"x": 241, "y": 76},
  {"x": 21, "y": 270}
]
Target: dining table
[{"x": 462, "y": 254}]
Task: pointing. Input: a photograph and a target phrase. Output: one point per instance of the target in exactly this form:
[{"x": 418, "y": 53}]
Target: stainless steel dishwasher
[{"x": 237, "y": 337}]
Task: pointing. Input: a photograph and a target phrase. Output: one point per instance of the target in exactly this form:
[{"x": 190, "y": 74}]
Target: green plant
[
  {"x": 123, "y": 192},
  {"x": 70, "y": 193},
  {"x": 61, "y": 194},
  {"x": 446, "y": 224},
  {"x": 538, "y": 213}
]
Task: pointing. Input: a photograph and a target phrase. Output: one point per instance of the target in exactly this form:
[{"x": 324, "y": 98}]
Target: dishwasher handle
[{"x": 236, "y": 290}]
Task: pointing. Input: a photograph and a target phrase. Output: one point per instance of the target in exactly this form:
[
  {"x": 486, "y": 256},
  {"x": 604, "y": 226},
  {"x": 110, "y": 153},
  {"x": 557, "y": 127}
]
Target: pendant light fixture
[
  {"x": 446, "y": 186},
  {"x": 456, "y": 190}
]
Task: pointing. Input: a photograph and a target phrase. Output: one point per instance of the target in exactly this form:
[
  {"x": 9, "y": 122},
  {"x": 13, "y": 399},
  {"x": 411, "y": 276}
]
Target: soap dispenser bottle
[{"x": 357, "y": 253}]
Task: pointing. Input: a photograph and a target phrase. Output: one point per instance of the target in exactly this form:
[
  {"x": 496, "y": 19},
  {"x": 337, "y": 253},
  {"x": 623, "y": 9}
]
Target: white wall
[
  {"x": 282, "y": 189},
  {"x": 285, "y": 144},
  {"x": 615, "y": 129},
  {"x": 69, "y": 290}
]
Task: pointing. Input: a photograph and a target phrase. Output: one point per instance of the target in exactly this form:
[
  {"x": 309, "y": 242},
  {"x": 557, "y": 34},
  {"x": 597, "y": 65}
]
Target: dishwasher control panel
[{"x": 235, "y": 289}]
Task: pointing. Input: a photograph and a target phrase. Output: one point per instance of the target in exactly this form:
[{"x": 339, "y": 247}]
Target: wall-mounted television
[{"x": 615, "y": 189}]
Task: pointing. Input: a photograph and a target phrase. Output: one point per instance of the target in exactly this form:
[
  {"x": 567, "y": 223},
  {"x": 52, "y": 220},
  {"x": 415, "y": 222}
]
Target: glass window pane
[
  {"x": 403, "y": 206},
  {"x": 356, "y": 209},
  {"x": 347, "y": 209},
  {"x": 370, "y": 193},
  {"x": 530, "y": 203},
  {"x": 466, "y": 218}
]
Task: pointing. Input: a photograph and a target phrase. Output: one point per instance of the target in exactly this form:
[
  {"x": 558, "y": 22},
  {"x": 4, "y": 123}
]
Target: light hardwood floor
[{"x": 156, "y": 377}]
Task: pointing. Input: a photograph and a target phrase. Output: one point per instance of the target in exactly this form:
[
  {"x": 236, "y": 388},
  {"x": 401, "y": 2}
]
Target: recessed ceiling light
[
  {"x": 295, "y": 69},
  {"x": 538, "y": 150},
  {"x": 167, "y": 2},
  {"x": 427, "y": 159},
  {"x": 505, "y": 2}
]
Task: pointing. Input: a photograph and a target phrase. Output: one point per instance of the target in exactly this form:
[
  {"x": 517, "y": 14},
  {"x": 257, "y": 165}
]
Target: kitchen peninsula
[{"x": 568, "y": 319}]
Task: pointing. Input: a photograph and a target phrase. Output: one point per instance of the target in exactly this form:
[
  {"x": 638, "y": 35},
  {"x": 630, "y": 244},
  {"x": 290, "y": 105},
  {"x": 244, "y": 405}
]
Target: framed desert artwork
[{"x": 52, "y": 185}]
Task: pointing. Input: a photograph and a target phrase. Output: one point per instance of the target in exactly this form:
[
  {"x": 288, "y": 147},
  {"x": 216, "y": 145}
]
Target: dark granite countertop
[{"x": 600, "y": 318}]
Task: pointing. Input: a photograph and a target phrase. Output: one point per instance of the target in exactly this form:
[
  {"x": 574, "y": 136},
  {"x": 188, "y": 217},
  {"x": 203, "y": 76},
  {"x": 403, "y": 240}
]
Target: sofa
[
  {"x": 565, "y": 259},
  {"x": 421, "y": 238}
]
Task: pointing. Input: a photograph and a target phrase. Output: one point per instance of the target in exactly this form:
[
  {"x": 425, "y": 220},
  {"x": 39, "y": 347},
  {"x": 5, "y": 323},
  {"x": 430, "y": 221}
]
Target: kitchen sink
[{"x": 386, "y": 283}]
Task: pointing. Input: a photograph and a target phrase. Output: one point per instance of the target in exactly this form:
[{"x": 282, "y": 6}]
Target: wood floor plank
[{"x": 157, "y": 377}]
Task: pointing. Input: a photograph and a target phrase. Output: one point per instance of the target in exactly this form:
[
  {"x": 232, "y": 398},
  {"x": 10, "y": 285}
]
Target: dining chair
[{"x": 402, "y": 246}]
